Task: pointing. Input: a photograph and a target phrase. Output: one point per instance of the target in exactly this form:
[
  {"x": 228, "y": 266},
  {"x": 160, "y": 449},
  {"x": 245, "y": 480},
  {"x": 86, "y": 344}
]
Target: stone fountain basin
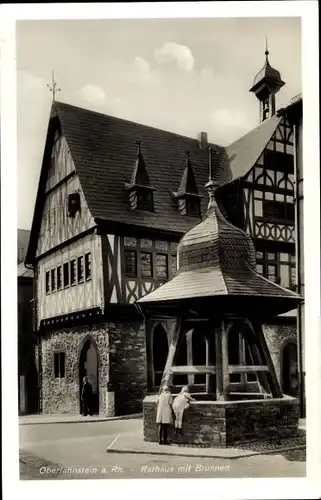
[{"x": 229, "y": 423}]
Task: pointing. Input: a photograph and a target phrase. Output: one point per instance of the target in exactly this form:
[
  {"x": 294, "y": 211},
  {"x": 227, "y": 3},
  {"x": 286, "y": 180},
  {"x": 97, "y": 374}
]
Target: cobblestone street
[{"x": 78, "y": 451}]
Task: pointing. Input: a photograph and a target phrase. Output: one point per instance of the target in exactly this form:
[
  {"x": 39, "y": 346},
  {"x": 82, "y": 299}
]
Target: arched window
[
  {"x": 265, "y": 179},
  {"x": 181, "y": 360},
  {"x": 199, "y": 354},
  {"x": 234, "y": 352},
  {"x": 289, "y": 369},
  {"x": 285, "y": 183},
  {"x": 160, "y": 351}
]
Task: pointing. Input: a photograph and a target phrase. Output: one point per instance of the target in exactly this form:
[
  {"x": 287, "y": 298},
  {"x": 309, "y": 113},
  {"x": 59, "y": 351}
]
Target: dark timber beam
[
  {"x": 247, "y": 368},
  {"x": 167, "y": 375},
  {"x": 274, "y": 383},
  {"x": 193, "y": 370}
]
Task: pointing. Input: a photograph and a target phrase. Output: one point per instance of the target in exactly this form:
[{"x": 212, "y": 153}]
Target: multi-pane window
[
  {"x": 162, "y": 266},
  {"x": 293, "y": 280},
  {"x": 278, "y": 267},
  {"x": 174, "y": 265},
  {"x": 130, "y": 242},
  {"x": 278, "y": 211},
  {"x": 148, "y": 259},
  {"x": 59, "y": 364},
  {"x": 72, "y": 272},
  {"x": 146, "y": 267},
  {"x": 280, "y": 161},
  {"x": 53, "y": 280},
  {"x": 59, "y": 282},
  {"x": 80, "y": 269},
  {"x": 273, "y": 200},
  {"x": 68, "y": 274},
  {"x": 130, "y": 263},
  {"x": 272, "y": 272},
  {"x": 87, "y": 266},
  {"x": 48, "y": 282}
]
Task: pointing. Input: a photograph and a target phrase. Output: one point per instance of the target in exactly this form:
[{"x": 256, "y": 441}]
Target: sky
[{"x": 181, "y": 75}]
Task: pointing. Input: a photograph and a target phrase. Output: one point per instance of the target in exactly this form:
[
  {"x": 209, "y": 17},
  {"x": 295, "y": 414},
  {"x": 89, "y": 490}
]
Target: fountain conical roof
[{"x": 217, "y": 268}]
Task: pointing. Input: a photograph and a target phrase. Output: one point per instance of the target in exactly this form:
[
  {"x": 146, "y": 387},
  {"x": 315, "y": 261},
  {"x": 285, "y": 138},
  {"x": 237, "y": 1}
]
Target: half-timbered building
[
  {"x": 113, "y": 201},
  {"x": 267, "y": 170}
]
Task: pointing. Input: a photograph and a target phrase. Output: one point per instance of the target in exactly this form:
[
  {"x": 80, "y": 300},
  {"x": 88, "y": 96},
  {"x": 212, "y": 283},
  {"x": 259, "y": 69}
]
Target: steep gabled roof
[
  {"x": 103, "y": 149},
  {"x": 188, "y": 182},
  {"x": 244, "y": 152},
  {"x": 24, "y": 272},
  {"x": 140, "y": 175}
]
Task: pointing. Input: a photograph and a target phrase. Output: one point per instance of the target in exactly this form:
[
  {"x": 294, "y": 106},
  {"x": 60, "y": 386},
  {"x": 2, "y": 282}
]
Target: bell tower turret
[{"x": 266, "y": 85}]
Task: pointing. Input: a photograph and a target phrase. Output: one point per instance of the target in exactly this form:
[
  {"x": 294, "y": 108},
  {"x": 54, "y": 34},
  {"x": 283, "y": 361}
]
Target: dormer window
[
  {"x": 189, "y": 201},
  {"x": 193, "y": 206},
  {"x": 145, "y": 199},
  {"x": 73, "y": 204},
  {"x": 140, "y": 191}
]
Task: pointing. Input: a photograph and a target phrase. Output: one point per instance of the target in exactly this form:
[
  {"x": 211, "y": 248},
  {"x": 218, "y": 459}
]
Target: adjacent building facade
[
  {"x": 113, "y": 201},
  {"x": 27, "y": 372}
]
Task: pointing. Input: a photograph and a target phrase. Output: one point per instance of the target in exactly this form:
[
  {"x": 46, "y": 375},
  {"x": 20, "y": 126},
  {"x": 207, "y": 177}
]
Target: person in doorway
[
  {"x": 164, "y": 414},
  {"x": 181, "y": 403},
  {"x": 86, "y": 397},
  {"x": 294, "y": 379}
]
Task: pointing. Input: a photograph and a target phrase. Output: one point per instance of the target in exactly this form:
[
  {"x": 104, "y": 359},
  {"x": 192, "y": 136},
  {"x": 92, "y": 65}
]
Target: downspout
[
  {"x": 35, "y": 329},
  {"x": 298, "y": 270}
]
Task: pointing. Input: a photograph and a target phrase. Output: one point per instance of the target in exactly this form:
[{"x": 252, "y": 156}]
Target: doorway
[
  {"x": 88, "y": 367},
  {"x": 290, "y": 382},
  {"x": 32, "y": 389}
]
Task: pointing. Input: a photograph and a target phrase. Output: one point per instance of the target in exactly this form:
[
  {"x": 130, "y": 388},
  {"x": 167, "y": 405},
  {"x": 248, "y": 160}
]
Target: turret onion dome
[{"x": 267, "y": 75}]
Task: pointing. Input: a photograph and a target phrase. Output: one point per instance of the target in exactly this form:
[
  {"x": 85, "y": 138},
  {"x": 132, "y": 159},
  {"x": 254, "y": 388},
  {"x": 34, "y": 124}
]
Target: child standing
[{"x": 164, "y": 413}]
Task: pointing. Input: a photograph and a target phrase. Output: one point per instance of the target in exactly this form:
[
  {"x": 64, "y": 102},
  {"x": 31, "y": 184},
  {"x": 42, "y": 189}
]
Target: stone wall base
[
  {"x": 229, "y": 423},
  {"x": 110, "y": 404}
]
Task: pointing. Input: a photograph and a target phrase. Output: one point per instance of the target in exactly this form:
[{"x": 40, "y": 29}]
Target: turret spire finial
[
  {"x": 53, "y": 87},
  {"x": 266, "y": 47},
  {"x": 212, "y": 184}
]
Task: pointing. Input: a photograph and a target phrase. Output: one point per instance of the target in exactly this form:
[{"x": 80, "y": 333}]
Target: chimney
[{"x": 202, "y": 140}]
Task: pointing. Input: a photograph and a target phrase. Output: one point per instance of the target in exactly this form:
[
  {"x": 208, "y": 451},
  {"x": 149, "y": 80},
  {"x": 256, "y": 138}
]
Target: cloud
[
  {"x": 140, "y": 71},
  {"x": 28, "y": 83},
  {"x": 93, "y": 93},
  {"x": 180, "y": 54},
  {"x": 229, "y": 124}
]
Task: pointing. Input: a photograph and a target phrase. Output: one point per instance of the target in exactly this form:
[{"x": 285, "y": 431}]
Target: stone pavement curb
[
  {"x": 135, "y": 444},
  {"x": 216, "y": 454},
  {"x": 59, "y": 419}
]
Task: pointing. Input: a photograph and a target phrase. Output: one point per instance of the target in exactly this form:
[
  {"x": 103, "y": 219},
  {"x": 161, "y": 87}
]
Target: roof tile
[{"x": 104, "y": 152}]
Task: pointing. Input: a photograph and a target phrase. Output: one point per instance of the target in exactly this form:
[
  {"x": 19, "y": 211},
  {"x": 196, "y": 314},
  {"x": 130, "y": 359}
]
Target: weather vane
[{"x": 53, "y": 87}]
